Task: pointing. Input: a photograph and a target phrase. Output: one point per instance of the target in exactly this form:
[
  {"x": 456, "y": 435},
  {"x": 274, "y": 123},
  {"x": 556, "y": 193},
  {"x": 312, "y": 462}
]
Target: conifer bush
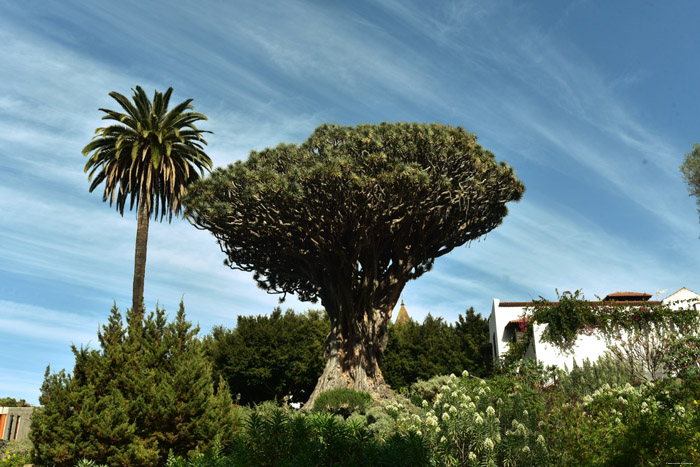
[
  {"x": 146, "y": 391},
  {"x": 343, "y": 401}
]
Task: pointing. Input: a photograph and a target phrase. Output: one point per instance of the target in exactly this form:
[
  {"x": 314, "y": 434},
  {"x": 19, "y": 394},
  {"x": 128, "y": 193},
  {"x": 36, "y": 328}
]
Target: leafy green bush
[
  {"x": 343, "y": 401},
  {"x": 585, "y": 379},
  {"x": 20, "y": 447},
  {"x": 147, "y": 391},
  {"x": 421, "y": 351},
  {"x": 527, "y": 415},
  {"x": 428, "y": 389},
  {"x": 631, "y": 425},
  {"x": 270, "y": 357},
  {"x": 14, "y": 460},
  {"x": 285, "y": 438},
  {"x": 15, "y": 453}
]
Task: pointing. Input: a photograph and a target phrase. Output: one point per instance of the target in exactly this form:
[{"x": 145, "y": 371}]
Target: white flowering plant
[{"x": 462, "y": 425}]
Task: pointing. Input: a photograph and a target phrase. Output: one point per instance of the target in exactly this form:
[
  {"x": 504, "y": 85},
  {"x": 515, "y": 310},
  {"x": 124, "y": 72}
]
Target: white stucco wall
[
  {"x": 587, "y": 347},
  {"x": 681, "y": 299}
]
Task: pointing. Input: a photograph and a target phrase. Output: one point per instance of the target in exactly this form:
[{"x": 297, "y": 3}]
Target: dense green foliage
[
  {"x": 364, "y": 200},
  {"x": 14, "y": 460},
  {"x": 420, "y": 351},
  {"x": 15, "y": 453},
  {"x": 583, "y": 380},
  {"x": 525, "y": 416},
  {"x": 270, "y": 357},
  {"x": 147, "y": 391},
  {"x": 343, "y": 401},
  {"x": 12, "y": 402},
  {"x": 683, "y": 356},
  {"x": 284, "y": 439}
]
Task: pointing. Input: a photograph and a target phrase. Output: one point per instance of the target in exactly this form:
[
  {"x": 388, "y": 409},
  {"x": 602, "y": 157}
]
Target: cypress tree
[{"x": 148, "y": 390}]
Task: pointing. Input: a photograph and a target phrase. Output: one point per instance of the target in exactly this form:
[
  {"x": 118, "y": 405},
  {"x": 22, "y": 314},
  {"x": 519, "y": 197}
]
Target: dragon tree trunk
[{"x": 354, "y": 349}]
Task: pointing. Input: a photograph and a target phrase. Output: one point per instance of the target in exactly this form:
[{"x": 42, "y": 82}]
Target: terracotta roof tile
[{"x": 628, "y": 296}]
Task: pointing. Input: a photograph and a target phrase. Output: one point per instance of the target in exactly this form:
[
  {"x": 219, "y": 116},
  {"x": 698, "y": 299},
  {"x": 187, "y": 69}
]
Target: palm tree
[{"x": 149, "y": 157}]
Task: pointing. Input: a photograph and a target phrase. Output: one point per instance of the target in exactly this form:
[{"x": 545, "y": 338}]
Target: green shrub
[
  {"x": 343, "y": 401},
  {"x": 641, "y": 425},
  {"x": 88, "y": 463},
  {"x": 515, "y": 418},
  {"x": 20, "y": 447},
  {"x": 421, "y": 351},
  {"x": 12, "y": 402},
  {"x": 427, "y": 390},
  {"x": 270, "y": 357},
  {"x": 14, "y": 460},
  {"x": 289, "y": 439},
  {"x": 587, "y": 378},
  {"x": 147, "y": 391}
]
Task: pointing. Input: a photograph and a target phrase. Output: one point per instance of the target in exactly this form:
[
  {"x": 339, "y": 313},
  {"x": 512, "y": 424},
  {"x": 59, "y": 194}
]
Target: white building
[{"x": 505, "y": 319}]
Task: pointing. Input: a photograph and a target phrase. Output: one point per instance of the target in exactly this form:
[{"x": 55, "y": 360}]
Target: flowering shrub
[
  {"x": 15, "y": 453},
  {"x": 574, "y": 315},
  {"x": 683, "y": 357},
  {"x": 14, "y": 460},
  {"x": 623, "y": 425},
  {"x": 527, "y": 416},
  {"x": 469, "y": 422}
]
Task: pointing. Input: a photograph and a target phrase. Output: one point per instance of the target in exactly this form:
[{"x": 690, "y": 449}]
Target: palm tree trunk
[{"x": 140, "y": 257}]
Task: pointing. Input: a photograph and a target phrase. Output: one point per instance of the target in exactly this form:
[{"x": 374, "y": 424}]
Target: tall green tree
[
  {"x": 148, "y": 157},
  {"x": 348, "y": 217},
  {"x": 691, "y": 172},
  {"x": 268, "y": 357},
  {"x": 421, "y": 351},
  {"x": 147, "y": 390},
  {"x": 472, "y": 332}
]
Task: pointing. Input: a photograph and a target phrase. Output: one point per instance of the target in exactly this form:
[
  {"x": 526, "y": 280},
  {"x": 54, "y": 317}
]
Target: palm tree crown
[{"x": 148, "y": 157}]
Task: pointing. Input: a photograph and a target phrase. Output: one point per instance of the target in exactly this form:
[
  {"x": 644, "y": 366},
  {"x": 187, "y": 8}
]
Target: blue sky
[{"x": 593, "y": 103}]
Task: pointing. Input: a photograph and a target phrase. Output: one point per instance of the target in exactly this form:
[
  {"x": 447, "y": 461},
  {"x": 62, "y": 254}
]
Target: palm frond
[{"x": 165, "y": 147}]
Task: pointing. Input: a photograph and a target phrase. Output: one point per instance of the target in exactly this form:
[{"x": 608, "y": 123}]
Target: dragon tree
[{"x": 349, "y": 217}]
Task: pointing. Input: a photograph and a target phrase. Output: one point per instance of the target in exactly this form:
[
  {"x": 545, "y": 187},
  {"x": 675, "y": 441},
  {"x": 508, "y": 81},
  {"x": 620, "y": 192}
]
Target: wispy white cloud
[
  {"x": 43, "y": 324},
  {"x": 545, "y": 89},
  {"x": 441, "y": 22}
]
